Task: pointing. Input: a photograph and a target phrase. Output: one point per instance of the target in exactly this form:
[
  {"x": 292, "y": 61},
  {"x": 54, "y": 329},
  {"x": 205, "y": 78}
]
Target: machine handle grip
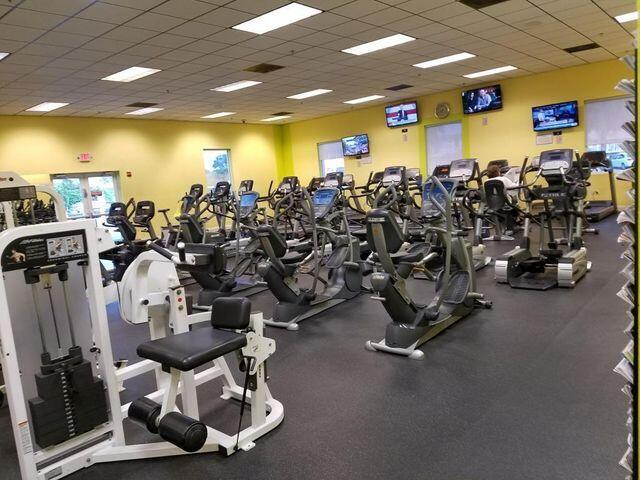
[
  {"x": 181, "y": 252},
  {"x": 161, "y": 250}
]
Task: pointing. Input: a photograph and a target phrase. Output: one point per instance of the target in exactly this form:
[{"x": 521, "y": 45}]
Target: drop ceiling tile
[
  {"x": 447, "y": 11},
  {"x": 51, "y": 51},
  {"x": 64, "y": 39},
  {"x": 230, "y": 36},
  {"x": 23, "y": 34},
  {"x": 180, "y": 55},
  {"x": 359, "y": 8},
  {"x": 22, "y": 59},
  {"x": 105, "y": 12},
  {"x": 11, "y": 46},
  {"x": 139, "y": 4},
  {"x": 169, "y": 40},
  {"x": 506, "y": 7},
  {"x": 257, "y": 7},
  {"x": 130, "y": 34},
  {"x": 325, "y": 20},
  {"x": 186, "y": 9},
  {"x": 66, "y": 7},
  {"x": 211, "y": 60},
  {"x": 225, "y": 17},
  {"x": 428, "y": 30},
  {"x": 107, "y": 45},
  {"x": 352, "y": 26},
  {"x": 81, "y": 26},
  {"x": 155, "y": 22},
  {"x": 419, "y": 6},
  {"x": 196, "y": 29}
]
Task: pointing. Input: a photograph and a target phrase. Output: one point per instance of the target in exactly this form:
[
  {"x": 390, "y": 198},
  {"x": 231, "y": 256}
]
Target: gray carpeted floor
[{"x": 522, "y": 391}]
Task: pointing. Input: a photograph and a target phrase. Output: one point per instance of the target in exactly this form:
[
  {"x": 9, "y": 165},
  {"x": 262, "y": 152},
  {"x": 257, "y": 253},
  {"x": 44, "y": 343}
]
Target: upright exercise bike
[{"x": 456, "y": 294}]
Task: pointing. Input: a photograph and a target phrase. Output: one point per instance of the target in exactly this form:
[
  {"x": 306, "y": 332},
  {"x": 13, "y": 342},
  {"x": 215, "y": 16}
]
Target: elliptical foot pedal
[{"x": 457, "y": 288}]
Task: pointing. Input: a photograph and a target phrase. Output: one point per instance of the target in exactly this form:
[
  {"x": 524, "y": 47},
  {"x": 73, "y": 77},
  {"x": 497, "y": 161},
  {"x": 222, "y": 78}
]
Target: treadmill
[{"x": 598, "y": 210}]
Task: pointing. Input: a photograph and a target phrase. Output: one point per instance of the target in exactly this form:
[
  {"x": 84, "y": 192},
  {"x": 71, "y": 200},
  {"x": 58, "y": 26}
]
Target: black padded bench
[{"x": 187, "y": 351}]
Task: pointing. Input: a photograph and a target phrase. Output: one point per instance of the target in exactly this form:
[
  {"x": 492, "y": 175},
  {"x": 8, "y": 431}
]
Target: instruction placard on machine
[{"x": 37, "y": 251}]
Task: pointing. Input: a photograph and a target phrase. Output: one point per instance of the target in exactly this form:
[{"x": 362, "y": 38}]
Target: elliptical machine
[
  {"x": 562, "y": 199},
  {"x": 456, "y": 295},
  {"x": 326, "y": 217}
]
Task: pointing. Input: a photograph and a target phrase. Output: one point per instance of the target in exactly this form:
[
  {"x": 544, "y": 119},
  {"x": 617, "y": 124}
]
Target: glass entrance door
[{"x": 87, "y": 195}]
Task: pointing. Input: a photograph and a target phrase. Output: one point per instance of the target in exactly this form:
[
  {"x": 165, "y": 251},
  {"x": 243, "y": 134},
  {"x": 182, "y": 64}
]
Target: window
[
  {"x": 331, "y": 157},
  {"x": 603, "y": 120},
  {"x": 217, "y": 166},
  {"x": 444, "y": 144},
  {"x": 87, "y": 194}
]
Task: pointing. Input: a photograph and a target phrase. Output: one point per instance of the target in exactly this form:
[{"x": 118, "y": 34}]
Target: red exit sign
[{"x": 85, "y": 157}]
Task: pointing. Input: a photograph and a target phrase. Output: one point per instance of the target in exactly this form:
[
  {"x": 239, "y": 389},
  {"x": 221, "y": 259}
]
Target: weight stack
[{"x": 70, "y": 401}]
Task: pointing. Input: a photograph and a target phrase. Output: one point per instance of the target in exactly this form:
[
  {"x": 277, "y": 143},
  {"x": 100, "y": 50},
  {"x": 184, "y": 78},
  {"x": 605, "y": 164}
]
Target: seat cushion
[
  {"x": 293, "y": 257},
  {"x": 189, "y": 350},
  {"x": 416, "y": 253}
]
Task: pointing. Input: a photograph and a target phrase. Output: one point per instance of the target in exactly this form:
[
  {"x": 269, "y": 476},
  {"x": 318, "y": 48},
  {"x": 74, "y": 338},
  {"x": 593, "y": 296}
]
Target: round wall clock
[{"x": 443, "y": 109}]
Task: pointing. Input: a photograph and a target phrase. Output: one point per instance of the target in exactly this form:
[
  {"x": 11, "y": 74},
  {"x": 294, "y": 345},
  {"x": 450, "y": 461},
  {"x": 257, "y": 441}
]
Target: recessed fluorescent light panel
[
  {"x": 47, "y": 107},
  {"x": 232, "y": 87},
  {"x": 280, "y": 17},
  {"x": 444, "y": 60},
  {"x": 131, "y": 74},
  {"x": 145, "y": 111},
  {"x": 3, "y": 55},
  {"x": 364, "y": 99},
  {"x": 219, "y": 114},
  {"x": 627, "y": 17},
  {"x": 379, "y": 44},
  {"x": 310, "y": 93},
  {"x": 493, "y": 71},
  {"x": 273, "y": 119}
]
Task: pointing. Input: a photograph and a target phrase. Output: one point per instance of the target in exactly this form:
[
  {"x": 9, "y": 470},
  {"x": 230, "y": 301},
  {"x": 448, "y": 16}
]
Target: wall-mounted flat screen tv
[
  {"x": 482, "y": 99},
  {"x": 355, "y": 145},
  {"x": 402, "y": 114},
  {"x": 555, "y": 116}
]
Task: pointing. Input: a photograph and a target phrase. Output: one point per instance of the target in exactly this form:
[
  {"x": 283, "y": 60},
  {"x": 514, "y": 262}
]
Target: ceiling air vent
[
  {"x": 582, "y": 48},
  {"x": 481, "y": 3},
  {"x": 402, "y": 86},
  {"x": 263, "y": 68},
  {"x": 142, "y": 105},
  {"x": 277, "y": 114}
]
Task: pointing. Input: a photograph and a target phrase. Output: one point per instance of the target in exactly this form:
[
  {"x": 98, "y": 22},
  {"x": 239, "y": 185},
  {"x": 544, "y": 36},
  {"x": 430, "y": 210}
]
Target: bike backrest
[
  {"x": 144, "y": 213},
  {"x": 495, "y": 194},
  {"x": 278, "y": 243},
  {"x": 192, "y": 231},
  {"x": 245, "y": 186},
  {"x": 393, "y": 236}
]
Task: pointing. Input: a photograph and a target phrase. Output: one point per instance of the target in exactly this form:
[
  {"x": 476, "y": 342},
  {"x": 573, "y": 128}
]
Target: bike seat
[{"x": 416, "y": 253}]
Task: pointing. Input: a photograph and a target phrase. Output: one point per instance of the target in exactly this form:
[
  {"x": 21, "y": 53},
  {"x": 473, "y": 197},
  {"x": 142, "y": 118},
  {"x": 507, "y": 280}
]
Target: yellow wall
[
  {"x": 164, "y": 157},
  {"x": 508, "y": 133}
]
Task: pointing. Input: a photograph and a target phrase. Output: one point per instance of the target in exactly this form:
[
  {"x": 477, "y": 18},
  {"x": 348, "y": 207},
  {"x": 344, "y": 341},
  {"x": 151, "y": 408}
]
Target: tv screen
[
  {"x": 482, "y": 99},
  {"x": 355, "y": 145},
  {"x": 402, "y": 114},
  {"x": 555, "y": 116}
]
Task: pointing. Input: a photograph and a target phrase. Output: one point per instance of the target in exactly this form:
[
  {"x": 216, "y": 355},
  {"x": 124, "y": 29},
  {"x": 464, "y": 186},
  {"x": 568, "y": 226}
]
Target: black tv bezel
[
  {"x": 404, "y": 124},
  {"x": 355, "y": 154},
  {"x": 550, "y": 129},
  {"x": 480, "y": 88}
]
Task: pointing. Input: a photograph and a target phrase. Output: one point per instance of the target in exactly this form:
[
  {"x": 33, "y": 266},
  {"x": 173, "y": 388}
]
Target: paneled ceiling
[{"x": 60, "y": 49}]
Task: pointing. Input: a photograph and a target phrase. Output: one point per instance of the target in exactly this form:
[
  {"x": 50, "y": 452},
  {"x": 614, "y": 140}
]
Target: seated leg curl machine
[{"x": 64, "y": 402}]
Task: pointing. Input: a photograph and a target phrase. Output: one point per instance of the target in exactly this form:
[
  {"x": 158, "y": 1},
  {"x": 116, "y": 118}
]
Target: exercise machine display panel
[
  {"x": 323, "y": 200},
  {"x": 462, "y": 168},
  {"x": 393, "y": 175},
  {"x": 556, "y": 159}
]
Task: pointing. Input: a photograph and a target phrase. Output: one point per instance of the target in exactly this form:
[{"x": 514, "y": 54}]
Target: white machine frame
[
  {"x": 12, "y": 179},
  {"x": 107, "y": 443}
]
